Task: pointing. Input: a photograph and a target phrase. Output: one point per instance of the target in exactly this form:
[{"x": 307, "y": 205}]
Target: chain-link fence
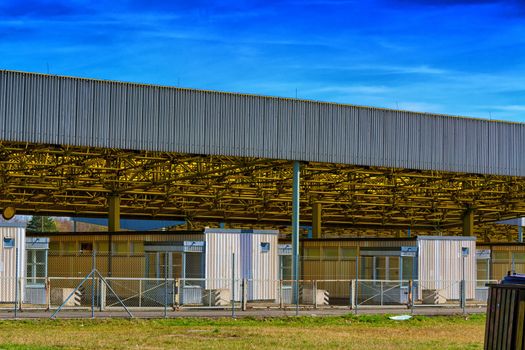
[
  {"x": 166, "y": 294},
  {"x": 162, "y": 282}
]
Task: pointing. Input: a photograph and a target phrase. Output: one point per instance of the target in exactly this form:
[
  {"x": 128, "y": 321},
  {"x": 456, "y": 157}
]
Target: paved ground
[{"x": 263, "y": 312}]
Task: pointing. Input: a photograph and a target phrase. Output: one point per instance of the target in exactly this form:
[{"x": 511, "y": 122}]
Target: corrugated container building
[
  {"x": 443, "y": 262},
  {"x": 201, "y": 259},
  {"x": 435, "y": 262},
  {"x": 255, "y": 255},
  {"x": 12, "y": 258}
]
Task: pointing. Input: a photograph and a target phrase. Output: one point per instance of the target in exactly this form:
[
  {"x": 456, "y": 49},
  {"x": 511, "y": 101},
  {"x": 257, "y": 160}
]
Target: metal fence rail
[{"x": 170, "y": 294}]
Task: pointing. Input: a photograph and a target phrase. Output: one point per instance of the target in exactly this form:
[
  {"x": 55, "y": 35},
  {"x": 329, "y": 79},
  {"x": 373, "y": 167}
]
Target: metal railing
[{"x": 167, "y": 294}]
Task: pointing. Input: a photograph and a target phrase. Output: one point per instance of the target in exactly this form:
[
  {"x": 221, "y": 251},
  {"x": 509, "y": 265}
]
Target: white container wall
[
  {"x": 441, "y": 263},
  {"x": 256, "y": 260},
  {"x": 12, "y": 238}
]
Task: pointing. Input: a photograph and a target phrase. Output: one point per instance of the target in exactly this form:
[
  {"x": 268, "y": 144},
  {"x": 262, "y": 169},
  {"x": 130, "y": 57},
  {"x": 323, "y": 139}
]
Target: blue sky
[{"x": 455, "y": 57}]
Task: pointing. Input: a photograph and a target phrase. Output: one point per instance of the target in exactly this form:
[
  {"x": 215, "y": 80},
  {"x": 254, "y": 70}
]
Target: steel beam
[
  {"x": 295, "y": 229},
  {"x": 468, "y": 223},
  {"x": 114, "y": 213},
  {"x": 316, "y": 219}
]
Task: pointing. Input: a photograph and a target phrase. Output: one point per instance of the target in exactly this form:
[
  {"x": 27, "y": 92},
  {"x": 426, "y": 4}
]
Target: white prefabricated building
[
  {"x": 243, "y": 254},
  {"x": 444, "y": 261},
  {"x": 12, "y": 261},
  {"x": 212, "y": 259}
]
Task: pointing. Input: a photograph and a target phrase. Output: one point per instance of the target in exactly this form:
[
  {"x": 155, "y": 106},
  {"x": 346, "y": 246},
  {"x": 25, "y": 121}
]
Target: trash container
[{"x": 504, "y": 328}]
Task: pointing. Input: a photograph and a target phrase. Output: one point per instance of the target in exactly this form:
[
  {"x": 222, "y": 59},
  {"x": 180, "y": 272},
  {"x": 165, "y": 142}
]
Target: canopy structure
[{"x": 82, "y": 147}]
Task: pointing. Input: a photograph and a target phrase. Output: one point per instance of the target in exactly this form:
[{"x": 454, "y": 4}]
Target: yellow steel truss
[{"x": 70, "y": 181}]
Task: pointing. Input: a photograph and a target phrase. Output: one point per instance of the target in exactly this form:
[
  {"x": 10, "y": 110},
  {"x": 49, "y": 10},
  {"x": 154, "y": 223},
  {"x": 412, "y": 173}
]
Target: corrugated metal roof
[{"x": 84, "y": 112}]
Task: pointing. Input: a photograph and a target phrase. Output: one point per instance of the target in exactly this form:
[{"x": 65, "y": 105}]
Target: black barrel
[{"x": 504, "y": 328}]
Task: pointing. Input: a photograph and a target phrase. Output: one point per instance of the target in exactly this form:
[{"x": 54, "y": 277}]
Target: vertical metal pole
[
  {"x": 165, "y": 284},
  {"x": 233, "y": 285},
  {"x": 295, "y": 233},
  {"x": 16, "y": 277},
  {"x": 463, "y": 294},
  {"x": 415, "y": 277},
  {"x": 520, "y": 234},
  {"x": 140, "y": 292},
  {"x": 356, "y": 302},
  {"x": 408, "y": 232},
  {"x": 244, "y": 293},
  {"x": 93, "y": 284},
  {"x": 281, "y": 303}
]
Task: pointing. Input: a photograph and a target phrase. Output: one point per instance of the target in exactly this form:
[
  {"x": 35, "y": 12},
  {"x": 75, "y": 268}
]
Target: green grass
[{"x": 344, "y": 332}]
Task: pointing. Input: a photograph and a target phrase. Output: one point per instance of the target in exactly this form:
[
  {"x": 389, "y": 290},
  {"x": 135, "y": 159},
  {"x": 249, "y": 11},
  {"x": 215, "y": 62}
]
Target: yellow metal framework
[{"x": 73, "y": 181}]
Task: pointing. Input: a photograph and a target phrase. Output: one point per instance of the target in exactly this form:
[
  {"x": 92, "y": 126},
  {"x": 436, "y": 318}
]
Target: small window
[
  {"x": 86, "y": 246},
  {"x": 311, "y": 253},
  {"x": 54, "y": 246},
  {"x": 120, "y": 248},
  {"x": 265, "y": 247},
  {"x": 348, "y": 253},
  {"x": 69, "y": 247},
  {"x": 330, "y": 253},
  {"x": 500, "y": 256},
  {"x": 9, "y": 242},
  {"x": 102, "y": 246},
  {"x": 137, "y": 247},
  {"x": 518, "y": 257}
]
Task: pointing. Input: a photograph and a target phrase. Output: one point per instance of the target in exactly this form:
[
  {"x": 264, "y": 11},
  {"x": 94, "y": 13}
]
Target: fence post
[
  {"x": 177, "y": 289},
  {"x": 381, "y": 291},
  {"x": 356, "y": 283},
  {"x": 140, "y": 292},
  {"x": 244, "y": 294},
  {"x": 463, "y": 295},
  {"x": 102, "y": 295},
  {"x": 16, "y": 281},
  {"x": 233, "y": 285},
  {"x": 173, "y": 296},
  {"x": 166, "y": 284},
  {"x": 410, "y": 295},
  {"x": 413, "y": 304},
  {"x": 352, "y": 294},
  {"x": 314, "y": 294},
  {"x": 93, "y": 264},
  {"x": 48, "y": 293},
  {"x": 281, "y": 304}
]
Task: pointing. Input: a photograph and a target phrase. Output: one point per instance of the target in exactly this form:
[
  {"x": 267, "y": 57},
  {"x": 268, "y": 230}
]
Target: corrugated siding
[
  {"x": 358, "y": 243},
  {"x": 250, "y": 263},
  {"x": 8, "y": 258},
  {"x": 82, "y": 112},
  {"x": 440, "y": 267}
]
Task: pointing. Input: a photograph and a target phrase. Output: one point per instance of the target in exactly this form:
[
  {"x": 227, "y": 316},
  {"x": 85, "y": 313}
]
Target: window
[
  {"x": 9, "y": 242},
  {"x": 86, "y": 246},
  {"x": 120, "y": 248},
  {"x": 311, "y": 253},
  {"x": 54, "y": 246},
  {"x": 265, "y": 247},
  {"x": 36, "y": 266},
  {"x": 500, "y": 256},
  {"x": 137, "y": 247},
  {"x": 69, "y": 247},
  {"x": 518, "y": 257},
  {"x": 286, "y": 267},
  {"x": 330, "y": 253},
  {"x": 348, "y": 253},
  {"x": 102, "y": 247},
  {"x": 483, "y": 272}
]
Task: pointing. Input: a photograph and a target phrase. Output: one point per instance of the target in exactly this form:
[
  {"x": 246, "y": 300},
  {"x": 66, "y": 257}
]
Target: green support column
[
  {"x": 114, "y": 213},
  {"x": 316, "y": 219},
  {"x": 468, "y": 223},
  {"x": 295, "y": 232}
]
